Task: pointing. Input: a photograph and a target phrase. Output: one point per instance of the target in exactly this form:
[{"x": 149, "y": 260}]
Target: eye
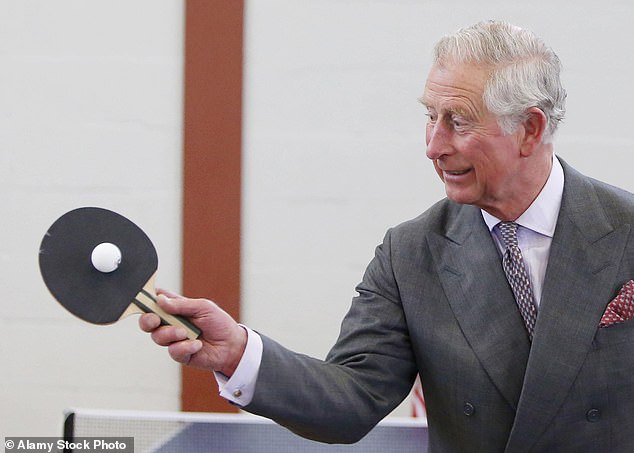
[{"x": 459, "y": 123}]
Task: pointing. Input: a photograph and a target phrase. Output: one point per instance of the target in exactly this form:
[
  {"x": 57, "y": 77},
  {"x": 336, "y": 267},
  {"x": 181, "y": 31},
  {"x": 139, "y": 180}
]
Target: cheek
[{"x": 493, "y": 172}]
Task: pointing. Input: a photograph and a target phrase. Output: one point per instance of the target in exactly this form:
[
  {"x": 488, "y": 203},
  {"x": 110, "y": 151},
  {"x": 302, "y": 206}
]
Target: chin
[{"x": 460, "y": 197}]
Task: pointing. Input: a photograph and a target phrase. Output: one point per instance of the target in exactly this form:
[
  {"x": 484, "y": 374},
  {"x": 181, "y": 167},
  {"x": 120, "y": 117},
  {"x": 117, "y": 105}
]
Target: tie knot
[{"x": 509, "y": 233}]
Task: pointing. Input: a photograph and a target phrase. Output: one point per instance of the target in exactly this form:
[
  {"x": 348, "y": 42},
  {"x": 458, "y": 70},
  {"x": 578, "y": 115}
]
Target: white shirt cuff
[{"x": 239, "y": 388}]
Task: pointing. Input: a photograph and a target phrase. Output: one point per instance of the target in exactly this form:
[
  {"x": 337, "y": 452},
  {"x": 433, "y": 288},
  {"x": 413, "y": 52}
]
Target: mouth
[
  {"x": 456, "y": 172},
  {"x": 455, "y": 176}
]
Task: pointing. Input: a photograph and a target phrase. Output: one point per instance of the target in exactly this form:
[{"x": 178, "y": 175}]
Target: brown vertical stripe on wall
[{"x": 212, "y": 164}]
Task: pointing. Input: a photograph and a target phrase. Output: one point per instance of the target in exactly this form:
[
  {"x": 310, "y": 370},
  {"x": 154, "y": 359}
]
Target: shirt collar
[{"x": 541, "y": 215}]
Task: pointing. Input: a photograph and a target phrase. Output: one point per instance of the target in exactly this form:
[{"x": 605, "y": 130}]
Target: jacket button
[
  {"x": 593, "y": 415},
  {"x": 468, "y": 409}
]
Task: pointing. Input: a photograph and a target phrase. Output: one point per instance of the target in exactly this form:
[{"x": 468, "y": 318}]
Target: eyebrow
[{"x": 450, "y": 111}]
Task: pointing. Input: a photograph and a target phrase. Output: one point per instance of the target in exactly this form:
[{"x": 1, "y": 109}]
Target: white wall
[
  {"x": 90, "y": 114},
  {"x": 334, "y": 136}
]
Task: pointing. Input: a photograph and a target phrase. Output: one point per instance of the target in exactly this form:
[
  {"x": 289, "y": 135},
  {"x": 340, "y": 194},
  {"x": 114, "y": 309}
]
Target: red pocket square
[{"x": 621, "y": 308}]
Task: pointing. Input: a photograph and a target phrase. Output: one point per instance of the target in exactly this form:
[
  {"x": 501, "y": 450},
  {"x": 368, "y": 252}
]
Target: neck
[{"x": 533, "y": 181}]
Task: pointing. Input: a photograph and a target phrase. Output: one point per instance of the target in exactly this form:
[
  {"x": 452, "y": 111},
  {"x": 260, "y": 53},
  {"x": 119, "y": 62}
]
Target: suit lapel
[
  {"x": 482, "y": 301},
  {"x": 584, "y": 259}
]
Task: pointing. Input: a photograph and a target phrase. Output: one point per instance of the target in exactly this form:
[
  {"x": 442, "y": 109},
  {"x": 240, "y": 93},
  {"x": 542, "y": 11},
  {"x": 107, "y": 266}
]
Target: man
[{"x": 501, "y": 321}]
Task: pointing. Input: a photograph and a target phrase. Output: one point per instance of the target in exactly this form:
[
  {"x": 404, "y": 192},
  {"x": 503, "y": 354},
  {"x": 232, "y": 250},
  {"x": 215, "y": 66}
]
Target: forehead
[{"x": 456, "y": 87}]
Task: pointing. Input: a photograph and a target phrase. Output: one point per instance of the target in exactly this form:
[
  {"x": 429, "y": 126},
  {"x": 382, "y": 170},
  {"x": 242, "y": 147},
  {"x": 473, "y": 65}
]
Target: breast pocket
[
  {"x": 615, "y": 334},
  {"x": 611, "y": 361},
  {"x": 614, "y": 349}
]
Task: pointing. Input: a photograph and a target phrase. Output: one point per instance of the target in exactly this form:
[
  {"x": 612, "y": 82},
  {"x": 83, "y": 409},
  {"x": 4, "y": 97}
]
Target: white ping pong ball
[{"x": 106, "y": 257}]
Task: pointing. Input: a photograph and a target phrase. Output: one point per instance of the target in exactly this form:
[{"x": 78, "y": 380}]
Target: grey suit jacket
[{"x": 435, "y": 300}]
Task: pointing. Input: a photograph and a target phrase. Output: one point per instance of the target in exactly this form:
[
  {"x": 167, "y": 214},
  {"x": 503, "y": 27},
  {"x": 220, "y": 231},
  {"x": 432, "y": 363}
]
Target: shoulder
[
  {"x": 444, "y": 218},
  {"x": 616, "y": 195},
  {"x": 431, "y": 219},
  {"x": 582, "y": 192}
]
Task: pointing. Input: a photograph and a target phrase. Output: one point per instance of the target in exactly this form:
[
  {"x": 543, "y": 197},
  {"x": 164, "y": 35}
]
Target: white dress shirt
[
  {"x": 240, "y": 387},
  {"x": 537, "y": 226}
]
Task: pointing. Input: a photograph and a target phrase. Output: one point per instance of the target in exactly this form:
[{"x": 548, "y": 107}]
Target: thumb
[
  {"x": 168, "y": 293},
  {"x": 190, "y": 308}
]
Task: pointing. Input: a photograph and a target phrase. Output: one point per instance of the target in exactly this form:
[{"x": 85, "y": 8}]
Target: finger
[
  {"x": 166, "y": 335},
  {"x": 184, "y": 306},
  {"x": 168, "y": 293},
  {"x": 149, "y": 321},
  {"x": 183, "y": 351}
]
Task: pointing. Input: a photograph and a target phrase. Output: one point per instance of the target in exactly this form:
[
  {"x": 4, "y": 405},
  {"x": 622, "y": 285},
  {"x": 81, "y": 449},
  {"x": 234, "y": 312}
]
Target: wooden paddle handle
[{"x": 146, "y": 302}]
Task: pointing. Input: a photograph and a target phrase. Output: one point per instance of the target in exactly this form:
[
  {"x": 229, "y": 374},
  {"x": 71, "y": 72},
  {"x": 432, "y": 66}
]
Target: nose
[{"x": 438, "y": 140}]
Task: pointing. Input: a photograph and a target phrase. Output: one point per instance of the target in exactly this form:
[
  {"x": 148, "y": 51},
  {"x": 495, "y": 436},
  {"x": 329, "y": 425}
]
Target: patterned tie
[{"x": 517, "y": 276}]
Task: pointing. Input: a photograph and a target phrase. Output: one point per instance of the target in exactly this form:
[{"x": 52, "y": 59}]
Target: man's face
[{"x": 478, "y": 164}]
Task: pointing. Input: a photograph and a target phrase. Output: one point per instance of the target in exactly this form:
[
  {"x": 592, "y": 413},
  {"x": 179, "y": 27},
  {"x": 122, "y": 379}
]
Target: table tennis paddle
[{"x": 72, "y": 256}]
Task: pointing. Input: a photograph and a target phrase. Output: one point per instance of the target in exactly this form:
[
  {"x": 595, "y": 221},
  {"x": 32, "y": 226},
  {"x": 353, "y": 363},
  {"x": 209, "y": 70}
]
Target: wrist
[{"x": 237, "y": 349}]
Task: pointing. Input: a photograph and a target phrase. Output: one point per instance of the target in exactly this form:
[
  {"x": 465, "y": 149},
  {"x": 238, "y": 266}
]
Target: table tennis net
[{"x": 179, "y": 432}]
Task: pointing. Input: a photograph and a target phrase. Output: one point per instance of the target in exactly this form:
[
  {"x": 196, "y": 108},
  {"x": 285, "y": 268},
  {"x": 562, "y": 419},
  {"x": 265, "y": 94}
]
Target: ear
[{"x": 534, "y": 127}]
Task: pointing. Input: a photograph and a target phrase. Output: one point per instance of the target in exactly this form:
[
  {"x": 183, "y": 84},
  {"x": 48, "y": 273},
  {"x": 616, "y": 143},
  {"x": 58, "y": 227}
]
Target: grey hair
[{"x": 525, "y": 72}]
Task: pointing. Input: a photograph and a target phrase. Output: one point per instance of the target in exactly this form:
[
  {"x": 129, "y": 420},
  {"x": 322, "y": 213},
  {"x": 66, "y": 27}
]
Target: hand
[{"x": 220, "y": 345}]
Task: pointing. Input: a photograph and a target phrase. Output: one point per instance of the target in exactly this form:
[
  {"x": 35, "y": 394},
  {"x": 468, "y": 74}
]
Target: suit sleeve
[{"x": 367, "y": 373}]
